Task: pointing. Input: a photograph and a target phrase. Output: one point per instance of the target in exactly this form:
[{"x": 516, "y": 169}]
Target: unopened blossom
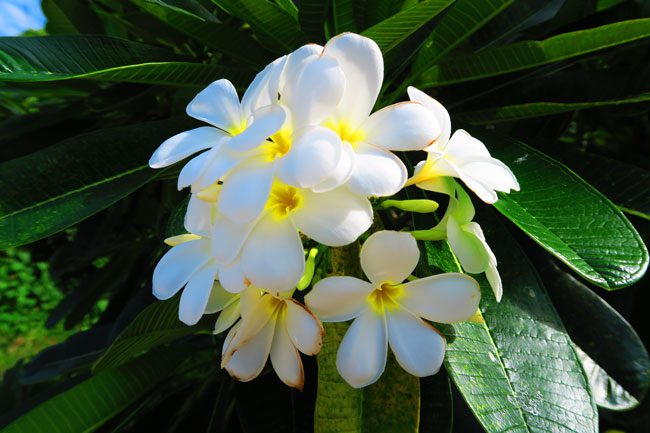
[
  {"x": 464, "y": 235},
  {"x": 275, "y": 326},
  {"x": 460, "y": 155},
  {"x": 389, "y": 312},
  {"x": 270, "y": 249}
]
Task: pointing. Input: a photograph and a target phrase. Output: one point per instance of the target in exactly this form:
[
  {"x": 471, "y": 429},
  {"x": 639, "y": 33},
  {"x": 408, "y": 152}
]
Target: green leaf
[
  {"x": 391, "y": 32},
  {"x": 529, "y": 54},
  {"x": 568, "y": 217},
  {"x": 87, "y": 406},
  {"x": 225, "y": 39},
  {"x": 276, "y": 28},
  {"x": 619, "y": 181},
  {"x": 463, "y": 19},
  {"x": 69, "y": 17},
  {"x": 612, "y": 353},
  {"x": 47, "y": 191},
  {"x": 343, "y": 16},
  {"x": 51, "y": 58},
  {"x": 391, "y": 405},
  {"x": 517, "y": 370},
  {"x": 509, "y": 113},
  {"x": 156, "y": 325},
  {"x": 312, "y": 16},
  {"x": 371, "y": 12}
]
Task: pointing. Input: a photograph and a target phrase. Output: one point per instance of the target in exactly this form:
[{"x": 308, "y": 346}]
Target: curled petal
[
  {"x": 305, "y": 330},
  {"x": 217, "y": 104},
  {"x": 341, "y": 173},
  {"x": 263, "y": 90},
  {"x": 219, "y": 299},
  {"x": 187, "y": 143},
  {"x": 177, "y": 266},
  {"x": 444, "y": 298},
  {"x": 389, "y": 256},
  {"x": 192, "y": 170},
  {"x": 286, "y": 359},
  {"x": 227, "y": 317},
  {"x": 469, "y": 249},
  {"x": 337, "y": 299},
  {"x": 194, "y": 299},
  {"x": 361, "y": 358},
  {"x": 377, "y": 172},
  {"x": 247, "y": 362},
  {"x": 439, "y": 111},
  {"x": 266, "y": 122}
]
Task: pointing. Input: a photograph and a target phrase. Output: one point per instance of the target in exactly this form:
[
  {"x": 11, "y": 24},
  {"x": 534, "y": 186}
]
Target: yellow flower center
[
  {"x": 283, "y": 199},
  {"x": 385, "y": 296},
  {"x": 238, "y": 128},
  {"x": 346, "y": 131},
  {"x": 279, "y": 145}
]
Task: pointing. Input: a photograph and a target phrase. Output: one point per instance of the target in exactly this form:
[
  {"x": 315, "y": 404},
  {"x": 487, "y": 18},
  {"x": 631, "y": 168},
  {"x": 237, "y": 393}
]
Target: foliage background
[{"x": 82, "y": 109}]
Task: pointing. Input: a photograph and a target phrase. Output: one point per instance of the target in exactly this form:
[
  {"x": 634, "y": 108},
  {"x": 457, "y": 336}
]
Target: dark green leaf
[
  {"x": 87, "y": 406},
  {"x": 529, "y": 54},
  {"x": 312, "y": 15},
  {"x": 518, "y": 370},
  {"x": 51, "y": 58},
  {"x": 156, "y": 325},
  {"x": 568, "y": 217},
  {"x": 391, "y": 32},
  {"x": 47, "y": 191},
  {"x": 70, "y": 17},
  {"x": 612, "y": 353},
  {"x": 231, "y": 42},
  {"x": 463, "y": 19},
  {"x": 509, "y": 113},
  {"x": 276, "y": 28},
  {"x": 343, "y": 16}
]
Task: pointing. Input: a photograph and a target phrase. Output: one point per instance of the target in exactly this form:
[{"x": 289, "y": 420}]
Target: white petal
[
  {"x": 246, "y": 190},
  {"x": 491, "y": 273},
  {"x": 361, "y": 357},
  {"x": 315, "y": 91},
  {"x": 333, "y": 218},
  {"x": 192, "y": 170},
  {"x": 286, "y": 359},
  {"x": 219, "y": 299},
  {"x": 273, "y": 256},
  {"x": 182, "y": 145},
  {"x": 228, "y": 238},
  {"x": 341, "y": 173},
  {"x": 176, "y": 267},
  {"x": 263, "y": 90},
  {"x": 249, "y": 360},
  {"x": 218, "y": 162},
  {"x": 296, "y": 62},
  {"x": 198, "y": 217},
  {"x": 266, "y": 122},
  {"x": 438, "y": 110},
  {"x": 389, "y": 256},
  {"x": 314, "y": 154},
  {"x": 467, "y": 247},
  {"x": 463, "y": 146},
  {"x": 232, "y": 277},
  {"x": 337, "y": 299},
  {"x": 402, "y": 126},
  {"x": 217, "y": 104},
  {"x": 418, "y": 347},
  {"x": 227, "y": 317},
  {"x": 196, "y": 294},
  {"x": 363, "y": 66},
  {"x": 444, "y": 298},
  {"x": 249, "y": 298},
  {"x": 304, "y": 328},
  {"x": 377, "y": 172},
  {"x": 484, "y": 175},
  {"x": 263, "y": 311}
]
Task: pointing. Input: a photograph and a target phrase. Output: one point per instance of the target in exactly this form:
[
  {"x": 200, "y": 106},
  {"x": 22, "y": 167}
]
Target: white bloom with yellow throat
[
  {"x": 389, "y": 312},
  {"x": 460, "y": 155},
  {"x": 272, "y": 325}
]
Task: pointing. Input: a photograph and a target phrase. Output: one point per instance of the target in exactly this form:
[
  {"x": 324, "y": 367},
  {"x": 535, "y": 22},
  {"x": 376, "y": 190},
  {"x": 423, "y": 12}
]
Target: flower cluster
[{"x": 299, "y": 157}]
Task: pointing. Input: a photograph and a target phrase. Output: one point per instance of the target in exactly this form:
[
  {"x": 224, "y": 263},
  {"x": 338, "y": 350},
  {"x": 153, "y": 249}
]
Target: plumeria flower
[
  {"x": 225, "y": 303},
  {"x": 465, "y": 236},
  {"x": 387, "y": 311},
  {"x": 234, "y": 125},
  {"x": 274, "y": 325},
  {"x": 460, "y": 155},
  {"x": 368, "y": 139},
  {"x": 270, "y": 249}
]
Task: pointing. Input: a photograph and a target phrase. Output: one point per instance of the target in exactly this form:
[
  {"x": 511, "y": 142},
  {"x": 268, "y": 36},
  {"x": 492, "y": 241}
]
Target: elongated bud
[
  {"x": 419, "y": 206},
  {"x": 310, "y": 267},
  {"x": 429, "y": 235}
]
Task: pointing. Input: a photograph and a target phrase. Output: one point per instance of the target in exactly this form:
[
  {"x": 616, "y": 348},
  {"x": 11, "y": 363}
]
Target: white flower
[
  {"x": 465, "y": 236},
  {"x": 368, "y": 139},
  {"x": 461, "y": 156},
  {"x": 270, "y": 249},
  {"x": 227, "y": 304},
  {"x": 388, "y": 311},
  {"x": 275, "y": 325}
]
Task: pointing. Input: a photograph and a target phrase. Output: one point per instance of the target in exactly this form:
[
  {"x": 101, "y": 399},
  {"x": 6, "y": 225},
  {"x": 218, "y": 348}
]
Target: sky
[{"x": 16, "y": 16}]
